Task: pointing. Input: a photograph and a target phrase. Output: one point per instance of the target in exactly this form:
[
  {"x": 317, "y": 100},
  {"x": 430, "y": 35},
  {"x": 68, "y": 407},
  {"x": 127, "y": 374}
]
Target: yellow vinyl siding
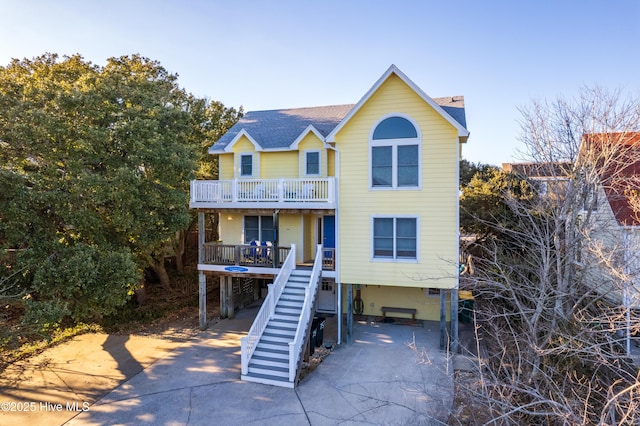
[
  {"x": 231, "y": 229},
  {"x": 225, "y": 166},
  {"x": 281, "y": 164},
  {"x": 374, "y": 298},
  {"x": 331, "y": 162},
  {"x": 435, "y": 204}
]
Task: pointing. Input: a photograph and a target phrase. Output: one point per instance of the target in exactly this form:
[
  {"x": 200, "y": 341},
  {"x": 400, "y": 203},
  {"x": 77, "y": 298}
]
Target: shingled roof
[
  {"x": 279, "y": 129},
  {"x": 620, "y": 176}
]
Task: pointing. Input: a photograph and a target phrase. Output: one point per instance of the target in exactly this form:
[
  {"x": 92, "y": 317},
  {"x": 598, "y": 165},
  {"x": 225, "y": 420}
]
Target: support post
[
  {"x": 339, "y": 313},
  {"x": 202, "y": 279},
  {"x": 454, "y": 321},
  {"x": 223, "y": 296},
  {"x": 202, "y": 285},
  {"x": 349, "y": 313},
  {"x": 443, "y": 319},
  {"x": 230, "y": 307}
]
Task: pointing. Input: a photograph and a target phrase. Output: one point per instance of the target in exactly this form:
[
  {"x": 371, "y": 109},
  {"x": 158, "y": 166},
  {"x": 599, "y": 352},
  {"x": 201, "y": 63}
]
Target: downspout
[{"x": 337, "y": 231}]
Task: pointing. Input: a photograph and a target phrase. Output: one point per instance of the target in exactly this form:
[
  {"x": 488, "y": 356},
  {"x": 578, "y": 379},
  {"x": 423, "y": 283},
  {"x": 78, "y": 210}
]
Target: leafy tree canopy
[{"x": 94, "y": 163}]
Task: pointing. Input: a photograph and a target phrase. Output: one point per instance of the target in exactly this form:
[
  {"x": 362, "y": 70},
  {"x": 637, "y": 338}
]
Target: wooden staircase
[{"x": 271, "y": 358}]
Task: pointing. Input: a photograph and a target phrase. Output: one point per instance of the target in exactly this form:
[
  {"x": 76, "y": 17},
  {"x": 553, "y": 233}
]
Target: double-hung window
[
  {"x": 395, "y": 154},
  {"x": 312, "y": 163},
  {"x": 395, "y": 238},
  {"x": 246, "y": 165}
]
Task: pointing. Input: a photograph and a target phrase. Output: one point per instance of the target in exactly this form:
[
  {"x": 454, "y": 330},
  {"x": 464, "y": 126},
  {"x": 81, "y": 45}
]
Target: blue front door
[{"x": 329, "y": 232}]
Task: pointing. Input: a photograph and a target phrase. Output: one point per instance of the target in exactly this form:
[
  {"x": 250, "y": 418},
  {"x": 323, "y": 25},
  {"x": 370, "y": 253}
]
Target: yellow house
[{"x": 365, "y": 195}]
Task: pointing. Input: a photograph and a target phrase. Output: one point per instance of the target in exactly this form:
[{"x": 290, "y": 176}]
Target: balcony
[
  {"x": 256, "y": 259},
  {"x": 307, "y": 193}
]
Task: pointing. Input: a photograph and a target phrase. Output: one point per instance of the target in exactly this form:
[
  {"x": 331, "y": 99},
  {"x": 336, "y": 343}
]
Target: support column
[
  {"x": 202, "y": 285},
  {"x": 339, "y": 313},
  {"x": 230, "y": 307},
  {"x": 454, "y": 320},
  {"x": 223, "y": 296},
  {"x": 443, "y": 319},
  {"x": 202, "y": 279},
  {"x": 349, "y": 313}
]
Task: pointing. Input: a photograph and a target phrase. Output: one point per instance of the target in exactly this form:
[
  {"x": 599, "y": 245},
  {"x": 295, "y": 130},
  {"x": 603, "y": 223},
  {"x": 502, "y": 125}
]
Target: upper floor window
[
  {"x": 395, "y": 154},
  {"x": 246, "y": 165},
  {"x": 312, "y": 163}
]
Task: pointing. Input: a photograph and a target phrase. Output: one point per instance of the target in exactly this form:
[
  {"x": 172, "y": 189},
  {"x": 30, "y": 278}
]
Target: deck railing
[
  {"x": 250, "y": 341},
  {"x": 243, "y": 254},
  {"x": 320, "y": 190}
]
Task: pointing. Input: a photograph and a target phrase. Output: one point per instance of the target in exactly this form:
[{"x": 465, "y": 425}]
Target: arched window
[
  {"x": 395, "y": 155},
  {"x": 394, "y": 128}
]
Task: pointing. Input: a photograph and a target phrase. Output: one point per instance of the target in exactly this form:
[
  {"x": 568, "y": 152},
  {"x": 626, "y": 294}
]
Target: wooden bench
[{"x": 411, "y": 311}]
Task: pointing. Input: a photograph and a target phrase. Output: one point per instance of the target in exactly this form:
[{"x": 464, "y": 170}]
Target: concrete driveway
[{"x": 391, "y": 374}]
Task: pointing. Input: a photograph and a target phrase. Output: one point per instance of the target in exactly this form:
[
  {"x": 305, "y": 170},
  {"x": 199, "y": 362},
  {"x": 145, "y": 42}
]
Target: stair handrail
[
  {"x": 249, "y": 342},
  {"x": 302, "y": 330}
]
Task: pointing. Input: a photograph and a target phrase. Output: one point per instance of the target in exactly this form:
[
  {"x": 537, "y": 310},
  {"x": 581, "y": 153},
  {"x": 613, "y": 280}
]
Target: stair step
[
  {"x": 271, "y": 371},
  {"x": 272, "y": 345},
  {"x": 286, "y": 326},
  {"x": 273, "y": 338},
  {"x": 292, "y": 297},
  {"x": 289, "y": 304},
  {"x": 292, "y": 319},
  {"x": 279, "y": 334},
  {"x": 267, "y": 379},
  {"x": 288, "y": 310},
  {"x": 264, "y": 351},
  {"x": 261, "y": 360}
]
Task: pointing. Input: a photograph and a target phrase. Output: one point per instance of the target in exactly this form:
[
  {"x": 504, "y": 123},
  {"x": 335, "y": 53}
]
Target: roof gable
[{"x": 448, "y": 103}]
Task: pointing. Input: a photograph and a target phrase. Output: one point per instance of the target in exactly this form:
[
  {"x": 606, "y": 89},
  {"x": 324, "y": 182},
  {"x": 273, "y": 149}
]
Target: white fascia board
[
  {"x": 462, "y": 132},
  {"x": 310, "y": 129},
  {"x": 229, "y": 146}
]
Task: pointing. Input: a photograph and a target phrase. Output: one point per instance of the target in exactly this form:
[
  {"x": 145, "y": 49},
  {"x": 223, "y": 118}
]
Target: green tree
[
  {"x": 210, "y": 120},
  {"x": 485, "y": 201},
  {"x": 93, "y": 165}
]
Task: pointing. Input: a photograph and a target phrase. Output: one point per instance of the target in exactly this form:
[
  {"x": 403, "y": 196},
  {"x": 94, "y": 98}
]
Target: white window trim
[
  {"x": 255, "y": 165},
  {"x": 394, "y": 143},
  {"x": 303, "y": 164},
  {"x": 388, "y": 259}
]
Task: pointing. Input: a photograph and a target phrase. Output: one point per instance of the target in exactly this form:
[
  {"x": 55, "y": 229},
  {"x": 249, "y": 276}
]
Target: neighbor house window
[
  {"x": 312, "y": 163},
  {"x": 246, "y": 165},
  {"x": 258, "y": 228},
  {"x": 395, "y": 154},
  {"x": 395, "y": 237}
]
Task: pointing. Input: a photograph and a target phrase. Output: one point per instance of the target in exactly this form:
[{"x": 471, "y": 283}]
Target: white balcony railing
[{"x": 220, "y": 192}]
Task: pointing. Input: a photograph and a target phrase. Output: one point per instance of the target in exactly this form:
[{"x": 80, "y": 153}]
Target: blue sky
[{"x": 283, "y": 54}]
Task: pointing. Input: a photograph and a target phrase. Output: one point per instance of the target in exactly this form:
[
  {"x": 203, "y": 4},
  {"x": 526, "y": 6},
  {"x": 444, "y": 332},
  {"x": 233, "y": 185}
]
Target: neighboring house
[
  {"x": 614, "y": 205},
  {"x": 616, "y": 211},
  {"x": 549, "y": 179},
  {"x": 375, "y": 184}
]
